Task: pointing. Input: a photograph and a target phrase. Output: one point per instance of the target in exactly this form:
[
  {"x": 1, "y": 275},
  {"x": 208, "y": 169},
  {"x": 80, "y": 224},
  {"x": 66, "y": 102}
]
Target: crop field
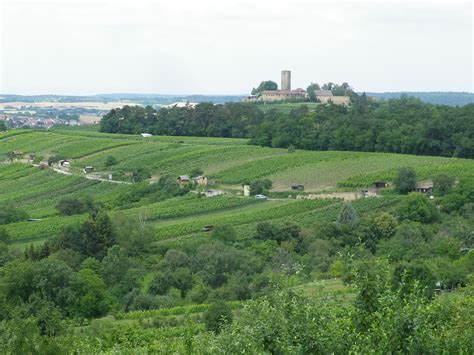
[{"x": 226, "y": 162}]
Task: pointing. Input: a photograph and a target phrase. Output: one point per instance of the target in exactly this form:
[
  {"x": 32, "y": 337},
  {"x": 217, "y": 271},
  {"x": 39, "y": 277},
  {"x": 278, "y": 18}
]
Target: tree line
[{"x": 405, "y": 125}]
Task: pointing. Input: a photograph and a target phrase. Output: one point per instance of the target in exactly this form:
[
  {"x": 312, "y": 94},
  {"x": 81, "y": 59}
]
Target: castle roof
[{"x": 323, "y": 93}]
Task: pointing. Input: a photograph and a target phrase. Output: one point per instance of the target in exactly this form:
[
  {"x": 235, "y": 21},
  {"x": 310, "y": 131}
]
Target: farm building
[
  {"x": 283, "y": 95},
  {"x": 213, "y": 193},
  {"x": 199, "y": 180},
  {"x": 183, "y": 180},
  {"x": 88, "y": 169},
  {"x": 326, "y": 96},
  {"x": 146, "y": 135},
  {"x": 64, "y": 163},
  {"x": 297, "y": 187},
  {"x": 380, "y": 184},
  {"x": 425, "y": 187}
]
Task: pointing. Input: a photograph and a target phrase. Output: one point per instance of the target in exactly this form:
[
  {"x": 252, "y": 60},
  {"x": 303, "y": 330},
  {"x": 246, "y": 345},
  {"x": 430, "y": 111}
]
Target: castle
[{"x": 286, "y": 94}]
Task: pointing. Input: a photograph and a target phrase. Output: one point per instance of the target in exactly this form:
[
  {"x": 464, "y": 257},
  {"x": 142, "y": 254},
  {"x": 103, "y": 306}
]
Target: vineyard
[{"x": 226, "y": 162}]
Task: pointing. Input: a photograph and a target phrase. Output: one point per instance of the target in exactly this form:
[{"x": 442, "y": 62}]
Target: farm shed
[
  {"x": 297, "y": 187},
  {"x": 200, "y": 180},
  {"x": 380, "y": 184},
  {"x": 88, "y": 169},
  {"x": 64, "y": 163},
  {"x": 425, "y": 187},
  {"x": 212, "y": 193},
  {"x": 183, "y": 179}
]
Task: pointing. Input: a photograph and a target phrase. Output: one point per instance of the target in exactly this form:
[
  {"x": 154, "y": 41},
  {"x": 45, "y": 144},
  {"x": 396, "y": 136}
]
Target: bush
[
  {"x": 217, "y": 316},
  {"x": 110, "y": 161},
  {"x": 260, "y": 186},
  {"x": 405, "y": 181},
  {"x": 416, "y": 207},
  {"x": 10, "y": 214},
  {"x": 442, "y": 184}
]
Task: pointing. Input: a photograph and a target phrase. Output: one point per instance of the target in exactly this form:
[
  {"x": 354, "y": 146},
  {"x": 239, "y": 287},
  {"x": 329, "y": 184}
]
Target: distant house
[
  {"x": 64, "y": 163},
  {"x": 297, "y": 187},
  {"x": 88, "y": 169},
  {"x": 183, "y": 180},
  {"x": 326, "y": 96},
  {"x": 146, "y": 135},
  {"x": 380, "y": 184},
  {"x": 213, "y": 193},
  {"x": 207, "y": 228},
  {"x": 425, "y": 187},
  {"x": 199, "y": 180}
]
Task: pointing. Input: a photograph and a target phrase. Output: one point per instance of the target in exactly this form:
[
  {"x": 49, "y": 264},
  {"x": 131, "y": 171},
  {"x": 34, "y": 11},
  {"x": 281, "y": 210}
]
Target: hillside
[
  {"x": 227, "y": 163},
  {"x": 146, "y": 261}
]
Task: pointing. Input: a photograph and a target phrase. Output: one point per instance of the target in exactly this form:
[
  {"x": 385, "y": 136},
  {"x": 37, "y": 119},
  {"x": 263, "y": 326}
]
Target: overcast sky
[{"x": 228, "y": 46}]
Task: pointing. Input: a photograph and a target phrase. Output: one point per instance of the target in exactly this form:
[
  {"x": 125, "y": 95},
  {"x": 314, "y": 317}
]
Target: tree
[
  {"x": 110, "y": 161},
  {"x": 69, "y": 206},
  {"x": 94, "y": 300},
  {"x": 265, "y": 86},
  {"x": 260, "y": 186},
  {"x": 3, "y": 126},
  {"x": 225, "y": 233},
  {"x": 55, "y": 158},
  {"x": 416, "y": 207},
  {"x": 347, "y": 215},
  {"x": 443, "y": 184},
  {"x": 217, "y": 316},
  {"x": 405, "y": 180},
  {"x": 11, "y": 214},
  {"x": 140, "y": 174},
  {"x": 310, "y": 90}
]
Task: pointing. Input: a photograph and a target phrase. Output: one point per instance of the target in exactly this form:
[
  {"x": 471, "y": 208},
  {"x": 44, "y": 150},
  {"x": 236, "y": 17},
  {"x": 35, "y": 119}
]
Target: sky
[{"x": 82, "y": 47}]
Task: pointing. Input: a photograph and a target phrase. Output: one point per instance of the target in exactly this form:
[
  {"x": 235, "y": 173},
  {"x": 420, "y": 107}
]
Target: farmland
[
  {"x": 176, "y": 253},
  {"x": 227, "y": 162}
]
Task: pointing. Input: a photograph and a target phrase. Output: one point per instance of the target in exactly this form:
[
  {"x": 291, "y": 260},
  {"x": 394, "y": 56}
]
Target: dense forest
[{"x": 405, "y": 125}]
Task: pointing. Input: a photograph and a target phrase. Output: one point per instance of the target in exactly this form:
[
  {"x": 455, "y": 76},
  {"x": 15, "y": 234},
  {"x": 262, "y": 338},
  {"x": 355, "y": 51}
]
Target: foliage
[
  {"x": 264, "y": 86},
  {"x": 217, "y": 316},
  {"x": 11, "y": 214},
  {"x": 442, "y": 184},
  {"x": 405, "y": 181},
  {"x": 416, "y": 207},
  {"x": 110, "y": 161}
]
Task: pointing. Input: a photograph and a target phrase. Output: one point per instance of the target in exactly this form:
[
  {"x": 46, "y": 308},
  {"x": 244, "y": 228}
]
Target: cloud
[{"x": 215, "y": 46}]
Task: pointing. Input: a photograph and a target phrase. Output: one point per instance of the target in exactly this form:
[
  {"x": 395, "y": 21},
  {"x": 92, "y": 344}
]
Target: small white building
[
  {"x": 146, "y": 135},
  {"x": 213, "y": 193}
]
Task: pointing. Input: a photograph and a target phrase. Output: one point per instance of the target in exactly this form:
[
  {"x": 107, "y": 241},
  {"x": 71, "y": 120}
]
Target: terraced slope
[{"x": 227, "y": 163}]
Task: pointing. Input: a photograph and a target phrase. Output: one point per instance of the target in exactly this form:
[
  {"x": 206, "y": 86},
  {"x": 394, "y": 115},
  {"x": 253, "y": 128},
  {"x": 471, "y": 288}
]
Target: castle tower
[{"x": 286, "y": 80}]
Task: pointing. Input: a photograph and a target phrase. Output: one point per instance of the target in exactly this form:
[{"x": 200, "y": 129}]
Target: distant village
[{"x": 285, "y": 93}]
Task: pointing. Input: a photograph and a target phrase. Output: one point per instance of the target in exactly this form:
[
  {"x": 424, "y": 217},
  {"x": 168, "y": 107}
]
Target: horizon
[{"x": 77, "y": 48}]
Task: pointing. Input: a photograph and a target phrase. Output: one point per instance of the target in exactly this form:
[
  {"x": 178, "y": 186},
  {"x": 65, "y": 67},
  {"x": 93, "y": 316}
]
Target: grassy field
[{"x": 227, "y": 162}]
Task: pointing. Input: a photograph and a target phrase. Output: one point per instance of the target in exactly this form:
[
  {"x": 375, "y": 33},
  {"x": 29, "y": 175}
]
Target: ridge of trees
[{"x": 405, "y": 125}]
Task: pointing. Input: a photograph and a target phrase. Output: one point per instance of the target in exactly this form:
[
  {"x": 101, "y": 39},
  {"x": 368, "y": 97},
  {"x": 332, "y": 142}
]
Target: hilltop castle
[{"x": 286, "y": 94}]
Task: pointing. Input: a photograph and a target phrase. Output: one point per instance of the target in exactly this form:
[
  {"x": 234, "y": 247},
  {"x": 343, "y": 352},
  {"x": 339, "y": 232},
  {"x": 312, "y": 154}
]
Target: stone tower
[{"x": 286, "y": 80}]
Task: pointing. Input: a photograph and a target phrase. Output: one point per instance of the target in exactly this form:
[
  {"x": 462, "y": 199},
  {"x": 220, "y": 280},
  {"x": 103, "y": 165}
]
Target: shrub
[
  {"x": 405, "y": 181},
  {"x": 110, "y": 161},
  {"x": 217, "y": 316}
]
